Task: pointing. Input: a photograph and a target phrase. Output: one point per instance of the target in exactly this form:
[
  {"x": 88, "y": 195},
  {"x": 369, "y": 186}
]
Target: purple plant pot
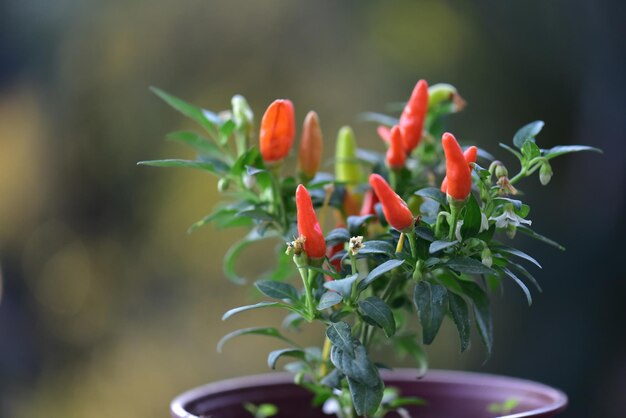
[{"x": 449, "y": 394}]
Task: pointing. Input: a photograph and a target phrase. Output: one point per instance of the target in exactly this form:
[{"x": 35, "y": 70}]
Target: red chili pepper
[
  {"x": 470, "y": 157},
  {"x": 277, "y": 131},
  {"x": 459, "y": 183},
  {"x": 413, "y": 116},
  {"x": 369, "y": 203},
  {"x": 311, "y": 146},
  {"x": 396, "y": 156},
  {"x": 384, "y": 133},
  {"x": 308, "y": 225},
  {"x": 395, "y": 209}
]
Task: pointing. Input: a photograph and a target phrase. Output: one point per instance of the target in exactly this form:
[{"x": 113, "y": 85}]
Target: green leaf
[
  {"x": 328, "y": 299},
  {"x": 358, "y": 367},
  {"x": 406, "y": 401},
  {"x": 526, "y": 274},
  {"x": 377, "y": 247},
  {"x": 530, "y": 150},
  {"x": 235, "y": 250},
  {"x": 441, "y": 245},
  {"x": 337, "y": 236},
  {"x": 431, "y": 301},
  {"x": 527, "y": 133},
  {"x": 471, "y": 218},
  {"x": 277, "y": 290},
  {"x": 222, "y": 212},
  {"x": 516, "y": 252},
  {"x": 469, "y": 266},
  {"x": 378, "y": 118},
  {"x": 378, "y": 313},
  {"x": 540, "y": 237},
  {"x": 425, "y": 233},
  {"x": 235, "y": 311},
  {"x": 340, "y": 335},
  {"x": 460, "y": 316},
  {"x": 197, "y": 142},
  {"x": 226, "y": 130},
  {"x": 365, "y": 398},
  {"x": 267, "y": 331},
  {"x": 187, "y": 109},
  {"x": 342, "y": 286},
  {"x": 566, "y": 149},
  {"x": 480, "y": 304},
  {"x": 434, "y": 194},
  {"x": 356, "y": 222},
  {"x": 520, "y": 283},
  {"x": 214, "y": 167},
  {"x": 379, "y": 271},
  {"x": 273, "y": 357}
]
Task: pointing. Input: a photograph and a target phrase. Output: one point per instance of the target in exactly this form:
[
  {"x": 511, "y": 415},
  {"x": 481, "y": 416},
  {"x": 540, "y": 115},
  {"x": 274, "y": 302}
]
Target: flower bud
[
  {"x": 347, "y": 168},
  {"x": 277, "y": 131},
  {"x": 242, "y": 114},
  {"x": 222, "y": 184},
  {"x": 249, "y": 181},
  {"x": 545, "y": 173},
  {"x": 311, "y": 145},
  {"x": 445, "y": 93},
  {"x": 486, "y": 258},
  {"x": 498, "y": 169}
]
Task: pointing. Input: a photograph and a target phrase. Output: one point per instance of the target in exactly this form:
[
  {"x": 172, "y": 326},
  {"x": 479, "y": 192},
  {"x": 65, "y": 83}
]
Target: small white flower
[
  {"x": 331, "y": 406},
  {"x": 356, "y": 243},
  {"x": 509, "y": 217}
]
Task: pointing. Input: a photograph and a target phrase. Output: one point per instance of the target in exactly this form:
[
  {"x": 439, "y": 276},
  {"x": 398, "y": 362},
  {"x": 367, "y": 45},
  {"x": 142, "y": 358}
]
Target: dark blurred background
[{"x": 109, "y": 309}]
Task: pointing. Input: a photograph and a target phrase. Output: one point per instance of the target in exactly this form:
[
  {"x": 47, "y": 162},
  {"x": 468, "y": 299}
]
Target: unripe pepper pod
[
  {"x": 459, "y": 184},
  {"x": 396, "y": 211},
  {"x": 347, "y": 168},
  {"x": 413, "y": 116},
  {"x": 311, "y": 146},
  {"x": 308, "y": 225},
  {"x": 396, "y": 156},
  {"x": 277, "y": 131},
  {"x": 470, "y": 156}
]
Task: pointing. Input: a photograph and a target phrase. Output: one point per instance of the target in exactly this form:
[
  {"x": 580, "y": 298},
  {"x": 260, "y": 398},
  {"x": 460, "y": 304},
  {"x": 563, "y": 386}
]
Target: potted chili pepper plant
[{"x": 422, "y": 230}]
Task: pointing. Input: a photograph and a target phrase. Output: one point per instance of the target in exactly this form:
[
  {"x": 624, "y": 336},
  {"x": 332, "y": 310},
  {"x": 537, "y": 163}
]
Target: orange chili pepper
[
  {"x": 396, "y": 211},
  {"x": 459, "y": 184},
  {"x": 470, "y": 157},
  {"x": 396, "y": 156},
  {"x": 369, "y": 204},
  {"x": 277, "y": 131},
  {"x": 384, "y": 133},
  {"x": 413, "y": 116},
  {"x": 311, "y": 146},
  {"x": 308, "y": 225},
  {"x": 350, "y": 204}
]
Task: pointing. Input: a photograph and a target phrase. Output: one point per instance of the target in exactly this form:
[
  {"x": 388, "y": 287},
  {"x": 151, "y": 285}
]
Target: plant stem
[
  {"x": 413, "y": 244},
  {"x": 454, "y": 214},
  {"x": 305, "y": 274}
]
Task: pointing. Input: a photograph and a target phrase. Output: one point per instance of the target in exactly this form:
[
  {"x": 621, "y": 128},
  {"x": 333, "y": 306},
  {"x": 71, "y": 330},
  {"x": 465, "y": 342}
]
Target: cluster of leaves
[{"x": 450, "y": 263}]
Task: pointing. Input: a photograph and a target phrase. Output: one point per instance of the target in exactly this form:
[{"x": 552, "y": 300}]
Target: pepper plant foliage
[{"x": 404, "y": 243}]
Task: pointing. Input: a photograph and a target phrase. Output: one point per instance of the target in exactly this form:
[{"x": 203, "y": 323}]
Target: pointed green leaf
[
  {"x": 516, "y": 252},
  {"x": 378, "y": 313},
  {"x": 469, "y": 266},
  {"x": 511, "y": 150},
  {"x": 520, "y": 283},
  {"x": 471, "y": 218},
  {"x": 365, "y": 398},
  {"x": 527, "y": 133},
  {"x": 437, "y": 246},
  {"x": 214, "y": 167},
  {"x": 434, "y": 194},
  {"x": 337, "y": 236},
  {"x": 329, "y": 299},
  {"x": 377, "y": 247},
  {"x": 342, "y": 286},
  {"x": 460, "y": 316},
  {"x": 379, "y": 271},
  {"x": 431, "y": 302},
  {"x": 540, "y": 237},
  {"x": 273, "y": 357},
  {"x": 277, "y": 290},
  {"x": 378, "y": 118},
  {"x": 267, "y": 331},
  {"x": 482, "y": 314},
  {"x": 196, "y": 141},
  {"x": 566, "y": 149},
  {"x": 235, "y": 311},
  {"x": 187, "y": 109},
  {"x": 340, "y": 335}
]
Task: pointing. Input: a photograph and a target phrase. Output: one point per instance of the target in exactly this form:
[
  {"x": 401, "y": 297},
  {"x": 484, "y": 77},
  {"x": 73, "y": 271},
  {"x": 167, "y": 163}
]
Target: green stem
[
  {"x": 413, "y": 244},
  {"x": 305, "y": 274},
  {"x": 518, "y": 176},
  {"x": 454, "y": 214}
]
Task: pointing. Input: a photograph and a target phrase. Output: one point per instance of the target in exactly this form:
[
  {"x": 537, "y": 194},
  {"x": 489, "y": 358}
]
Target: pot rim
[{"x": 558, "y": 399}]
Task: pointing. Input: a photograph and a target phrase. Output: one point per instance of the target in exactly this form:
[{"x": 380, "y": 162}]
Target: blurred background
[{"x": 109, "y": 309}]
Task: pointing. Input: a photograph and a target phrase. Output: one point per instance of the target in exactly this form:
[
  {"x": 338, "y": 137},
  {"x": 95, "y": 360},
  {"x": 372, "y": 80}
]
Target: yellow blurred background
[{"x": 109, "y": 309}]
